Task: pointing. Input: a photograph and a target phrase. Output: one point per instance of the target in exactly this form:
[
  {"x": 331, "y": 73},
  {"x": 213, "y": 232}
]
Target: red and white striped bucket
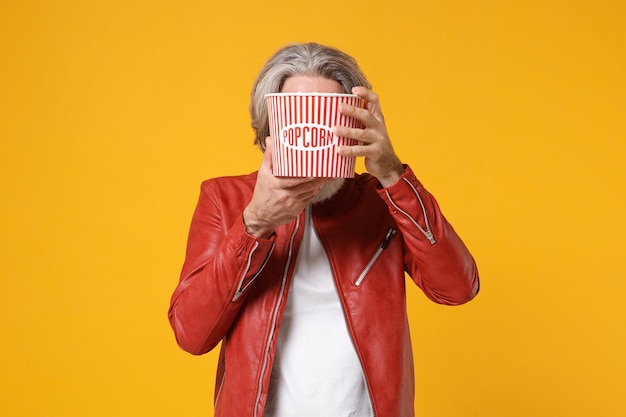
[{"x": 302, "y": 127}]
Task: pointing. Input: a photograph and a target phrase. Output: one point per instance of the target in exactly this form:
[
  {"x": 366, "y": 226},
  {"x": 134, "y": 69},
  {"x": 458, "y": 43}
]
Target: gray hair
[{"x": 308, "y": 59}]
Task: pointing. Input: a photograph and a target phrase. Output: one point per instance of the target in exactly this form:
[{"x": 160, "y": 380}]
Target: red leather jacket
[{"x": 233, "y": 286}]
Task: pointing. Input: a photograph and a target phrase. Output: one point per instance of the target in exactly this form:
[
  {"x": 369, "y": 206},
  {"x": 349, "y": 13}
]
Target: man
[{"x": 302, "y": 279}]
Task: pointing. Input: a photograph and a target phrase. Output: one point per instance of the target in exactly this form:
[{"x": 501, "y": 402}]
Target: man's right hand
[{"x": 277, "y": 200}]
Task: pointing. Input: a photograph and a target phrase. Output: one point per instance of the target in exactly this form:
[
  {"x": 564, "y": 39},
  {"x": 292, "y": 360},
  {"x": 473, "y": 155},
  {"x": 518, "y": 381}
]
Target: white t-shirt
[{"x": 316, "y": 370}]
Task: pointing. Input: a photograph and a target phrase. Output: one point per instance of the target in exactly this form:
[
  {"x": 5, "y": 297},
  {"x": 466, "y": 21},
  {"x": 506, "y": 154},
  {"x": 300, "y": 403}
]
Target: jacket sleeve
[
  {"x": 221, "y": 262},
  {"x": 435, "y": 257}
]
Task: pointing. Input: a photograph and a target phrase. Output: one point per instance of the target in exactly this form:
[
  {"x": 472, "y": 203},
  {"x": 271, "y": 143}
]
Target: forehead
[{"x": 308, "y": 84}]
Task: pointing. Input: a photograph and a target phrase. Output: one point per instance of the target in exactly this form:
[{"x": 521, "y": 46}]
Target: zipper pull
[
  {"x": 390, "y": 234},
  {"x": 430, "y": 237}
]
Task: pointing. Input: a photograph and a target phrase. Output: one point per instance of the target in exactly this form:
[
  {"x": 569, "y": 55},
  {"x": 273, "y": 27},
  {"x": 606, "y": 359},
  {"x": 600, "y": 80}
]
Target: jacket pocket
[{"x": 390, "y": 234}]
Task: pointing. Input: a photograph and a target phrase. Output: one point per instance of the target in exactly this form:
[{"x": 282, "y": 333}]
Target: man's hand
[
  {"x": 277, "y": 200},
  {"x": 380, "y": 159}
]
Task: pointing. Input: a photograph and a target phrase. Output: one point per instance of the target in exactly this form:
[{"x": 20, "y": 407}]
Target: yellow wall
[{"x": 513, "y": 113}]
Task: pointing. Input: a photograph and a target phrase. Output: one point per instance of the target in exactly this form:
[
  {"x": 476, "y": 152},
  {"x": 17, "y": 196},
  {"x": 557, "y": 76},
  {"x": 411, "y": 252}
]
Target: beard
[{"x": 328, "y": 190}]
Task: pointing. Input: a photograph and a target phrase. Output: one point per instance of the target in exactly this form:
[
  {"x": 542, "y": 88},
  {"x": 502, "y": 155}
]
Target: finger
[
  {"x": 309, "y": 194},
  {"x": 362, "y": 135},
  {"x": 365, "y": 93},
  {"x": 361, "y": 114},
  {"x": 355, "y": 150},
  {"x": 290, "y": 183},
  {"x": 372, "y": 99},
  {"x": 305, "y": 196},
  {"x": 304, "y": 184}
]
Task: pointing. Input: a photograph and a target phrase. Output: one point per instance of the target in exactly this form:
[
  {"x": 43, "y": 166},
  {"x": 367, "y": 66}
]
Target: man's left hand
[{"x": 380, "y": 158}]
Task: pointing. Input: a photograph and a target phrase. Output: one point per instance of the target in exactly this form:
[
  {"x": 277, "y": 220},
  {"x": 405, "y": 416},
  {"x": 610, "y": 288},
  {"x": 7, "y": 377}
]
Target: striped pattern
[{"x": 304, "y": 144}]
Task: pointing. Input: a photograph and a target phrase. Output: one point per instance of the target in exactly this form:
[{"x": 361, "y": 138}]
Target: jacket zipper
[
  {"x": 275, "y": 318},
  {"x": 427, "y": 232},
  {"x": 242, "y": 289},
  {"x": 219, "y": 392},
  {"x": 367, "y": 389},
  {"x": 390, "y": 234}
]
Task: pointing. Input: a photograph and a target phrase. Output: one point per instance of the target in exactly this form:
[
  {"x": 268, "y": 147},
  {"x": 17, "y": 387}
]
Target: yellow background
[{"x": 513, "y": 113}]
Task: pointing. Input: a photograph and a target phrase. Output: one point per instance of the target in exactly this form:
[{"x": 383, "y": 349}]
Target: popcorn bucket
[{"x": 302, "y": 127}]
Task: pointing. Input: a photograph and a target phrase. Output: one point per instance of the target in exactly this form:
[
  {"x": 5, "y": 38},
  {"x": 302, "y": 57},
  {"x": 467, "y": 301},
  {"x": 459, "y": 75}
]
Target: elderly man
[{"x": 303, "y": 279}]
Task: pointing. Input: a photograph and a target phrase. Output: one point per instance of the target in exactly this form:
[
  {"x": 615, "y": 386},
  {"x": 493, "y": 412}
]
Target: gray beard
[{"x": 328, "y": 190}]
